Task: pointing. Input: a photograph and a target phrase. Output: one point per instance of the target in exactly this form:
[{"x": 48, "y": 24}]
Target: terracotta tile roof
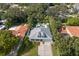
[
  {"x": 20, "y": 30},
  {"x": 73, "y": 30}
]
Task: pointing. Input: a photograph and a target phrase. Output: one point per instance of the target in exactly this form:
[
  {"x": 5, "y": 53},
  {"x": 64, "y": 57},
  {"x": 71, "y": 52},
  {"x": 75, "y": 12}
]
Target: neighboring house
[
  {"x": 3, "y": 21},
  {"x": 76, "y": 6},
  {"x": 40, "y": 33},
  {"x": 73, "y": 8},
  {"x": 20, "y": 30},
  {"x": 2, "y": 27},
  {"x": 71, "y": 31}
]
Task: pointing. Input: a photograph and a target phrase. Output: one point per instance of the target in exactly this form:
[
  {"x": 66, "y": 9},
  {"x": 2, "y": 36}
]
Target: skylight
[{"x": 42, "y": 35}]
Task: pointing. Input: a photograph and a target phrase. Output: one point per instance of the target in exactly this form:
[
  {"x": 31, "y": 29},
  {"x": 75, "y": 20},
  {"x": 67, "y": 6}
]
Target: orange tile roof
[
  {"x": 74, "y": 30},
  {"x": 20, "y": 30},
  {"x": 71, "y": 30}
]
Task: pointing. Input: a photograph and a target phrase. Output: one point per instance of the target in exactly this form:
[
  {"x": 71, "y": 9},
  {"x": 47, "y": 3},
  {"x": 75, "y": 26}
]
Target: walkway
[{"x": 45, "y": 49}]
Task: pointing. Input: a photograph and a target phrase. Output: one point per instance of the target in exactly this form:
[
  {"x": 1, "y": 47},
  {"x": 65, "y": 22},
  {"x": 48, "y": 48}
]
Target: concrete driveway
[{"x": 44, "y": 49}]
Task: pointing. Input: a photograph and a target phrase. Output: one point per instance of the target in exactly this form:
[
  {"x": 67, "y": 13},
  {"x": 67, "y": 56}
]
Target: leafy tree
[
  {"x": 4, "y": 6},
  {"x": 1, "y": 13},
  {"x": 7, "y": 41},
  {"x": 57, "y": 9},
  {"x": 68, "y": 46},
  {"x": 26, "y": 45},
  {"x": 64, "y": 46},
  {"x": 36, "y": 13},
  {"x": 33, "y": 14},
  {"x": 15, "y": 16},
  {"x": 54, "y": 25}
]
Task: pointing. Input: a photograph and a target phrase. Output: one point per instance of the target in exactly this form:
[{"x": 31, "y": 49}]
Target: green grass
[
  {"x": 54, "y": 51},
  {"x": 31, "y": 52}
]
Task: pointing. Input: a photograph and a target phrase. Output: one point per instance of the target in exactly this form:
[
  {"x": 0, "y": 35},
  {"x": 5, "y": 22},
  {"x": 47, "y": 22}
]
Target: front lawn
[
  {"x": 31, "y": 52},
  {"x": 28, "y": 48}
]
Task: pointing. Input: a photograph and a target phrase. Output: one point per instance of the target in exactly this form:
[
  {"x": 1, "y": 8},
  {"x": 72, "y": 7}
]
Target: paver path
[{"x": 45, "y": 49}]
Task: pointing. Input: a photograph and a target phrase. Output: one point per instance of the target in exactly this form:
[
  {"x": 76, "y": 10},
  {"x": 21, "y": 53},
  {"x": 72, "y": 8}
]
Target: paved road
[{"x": 45, "y": 49}]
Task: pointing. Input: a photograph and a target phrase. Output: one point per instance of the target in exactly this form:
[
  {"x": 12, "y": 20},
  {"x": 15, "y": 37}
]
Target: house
[
  {"x": 71, "y": 31},
  {"x": 76, "y": 7},
  {"x": 20, "y": 30},
  {"x": 40, "y": 33},
  {"x": 2, "y": 21},
  {"x": 2, "y": 27}
]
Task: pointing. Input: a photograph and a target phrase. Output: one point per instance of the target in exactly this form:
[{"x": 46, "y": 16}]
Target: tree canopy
[
  {"x": 7, "y": 41},
  {"x": 57, "y": 9},
  {"x": 67, "y": 46},
  {"x": 36, "y": 13},
  {"x": 14, "y": 16}
]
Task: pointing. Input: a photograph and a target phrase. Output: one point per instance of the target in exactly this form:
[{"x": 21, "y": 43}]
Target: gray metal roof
[{"x": 40, "y": 32}]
